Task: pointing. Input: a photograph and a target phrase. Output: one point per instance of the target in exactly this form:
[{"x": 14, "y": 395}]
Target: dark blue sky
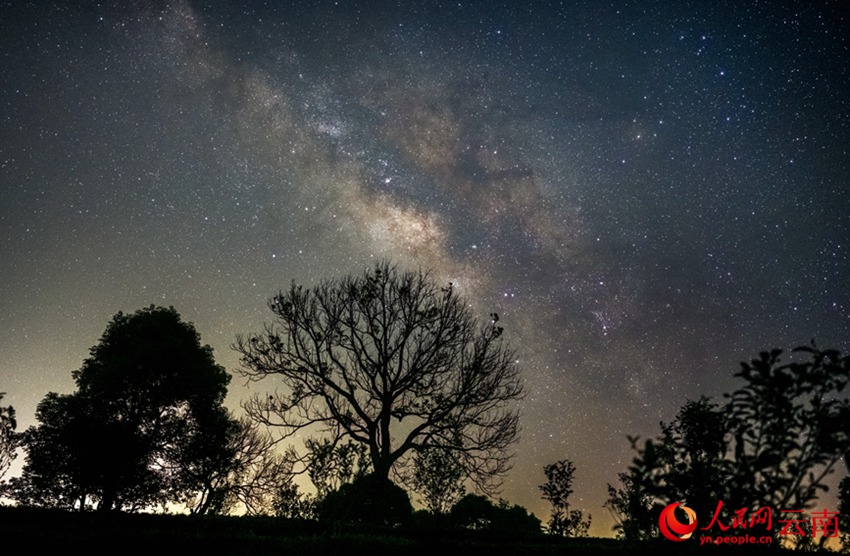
[{"x": 646, "y": 192}]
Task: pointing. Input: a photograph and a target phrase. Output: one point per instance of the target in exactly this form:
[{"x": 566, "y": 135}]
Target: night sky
[{"x": 646, "y": 192}]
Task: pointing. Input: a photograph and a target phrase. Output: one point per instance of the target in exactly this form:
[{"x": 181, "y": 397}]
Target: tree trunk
[{"x": 382, "y": 463}]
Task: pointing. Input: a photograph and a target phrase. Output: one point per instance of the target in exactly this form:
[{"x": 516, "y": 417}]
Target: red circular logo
[{"x": 674, "y": 529}]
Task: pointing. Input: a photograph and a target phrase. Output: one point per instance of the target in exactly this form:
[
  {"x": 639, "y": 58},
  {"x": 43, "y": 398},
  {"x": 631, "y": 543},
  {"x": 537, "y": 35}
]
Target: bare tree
[
  {"x": 250, "y": 478},
  {"x": 390, "y": 360}
]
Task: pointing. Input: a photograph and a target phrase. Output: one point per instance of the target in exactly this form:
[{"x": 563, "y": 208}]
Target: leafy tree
[
  {"x": 686, "y": 463},
  {"x": 790, "y": 426},
  {"x": 438, "y": 478},
  {"x": 147, "y": 412},
  {"x": 393, "y": 362},
  {"x": 771, "y": 445},
  {"x": 7, "y": 436},
  {"x": 61, "y": 454},
  {"x": 290, "y": 503},
  {"x": 632, "y": 508},
  {"x": 332, "y": 464},
  {"x": 474, "y": 512},
  {"x": 557, "y": 490}
]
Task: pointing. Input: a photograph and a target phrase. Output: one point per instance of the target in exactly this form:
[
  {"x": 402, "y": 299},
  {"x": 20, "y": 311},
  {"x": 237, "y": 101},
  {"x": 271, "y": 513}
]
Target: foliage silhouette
[
  {"x": 331, "y": 464},
  {"x": 477, "y": 513},
  {"x": 844, "y": 511},
  {"x": 687, "y": 463},
  {"x": 772, "y": 444},
  {"x": 290, "y": 503},
  {"x": 557, "y": 489},
  {"x": 438, "y": 478},
  {"x": 391, "y": 361},
  {"x": 370, "y": 500},
  {"x": 790, "y": 427},
  {"x": 146, "y": 416},
  {"x": 8, "y": 440},
  {"x": 633, "y": 508}
]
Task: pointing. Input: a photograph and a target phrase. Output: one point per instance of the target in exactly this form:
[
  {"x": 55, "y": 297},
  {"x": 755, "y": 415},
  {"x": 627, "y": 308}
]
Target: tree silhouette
[
  {"x": 772, "y": 444},
  {"x": 391, "y": 361},
  {"x": 557, "y": 490},
  {"x": 290, "y": 503},
  {"x": 7, "y": 436},
  {"x": 438, "y": 478},
  {"x": 67, "y": 460},
  {"x": 332, "y": 464},
  {"x": 147, "y": 412},
  {"x": 686, "y": 463},
  {"x": 632, "y": 508},
  {"x": 246, "y": 475}
]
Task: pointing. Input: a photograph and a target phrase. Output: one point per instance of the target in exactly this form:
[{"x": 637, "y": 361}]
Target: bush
[
  {"x": 369, "y": 500},
  {"x": 477, "y": 513}
]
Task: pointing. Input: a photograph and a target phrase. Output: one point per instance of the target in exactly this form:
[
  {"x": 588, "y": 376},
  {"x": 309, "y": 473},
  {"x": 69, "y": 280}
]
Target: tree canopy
[
  {"x": 392, "y": 361},
  {"x": 146, "y": 416}
]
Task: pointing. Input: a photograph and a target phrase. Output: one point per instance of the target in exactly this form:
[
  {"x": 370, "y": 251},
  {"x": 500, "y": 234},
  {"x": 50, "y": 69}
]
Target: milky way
[{"x": 646, "y": 194}]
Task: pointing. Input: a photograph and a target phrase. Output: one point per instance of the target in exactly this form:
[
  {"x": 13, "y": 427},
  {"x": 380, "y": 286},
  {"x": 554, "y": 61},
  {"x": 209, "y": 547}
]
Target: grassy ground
[{"x": 46, "y": 531}]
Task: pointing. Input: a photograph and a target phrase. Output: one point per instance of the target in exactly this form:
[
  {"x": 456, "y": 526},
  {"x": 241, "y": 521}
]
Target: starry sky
[{"x": 646, "y": 192}]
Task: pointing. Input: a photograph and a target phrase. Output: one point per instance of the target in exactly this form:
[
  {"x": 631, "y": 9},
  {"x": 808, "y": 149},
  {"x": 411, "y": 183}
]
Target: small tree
[
  {"x": 147, "y": 412},
  {"x": 7, "y": 436},
  {"x": 391, "y": 361},
  {"x": 290, "y": 503},
  {"x": 69, "y": 465},
  {"x": 438, "y": 478},
  {"x": 686, "y": 463},
  {"x": 332, "y": 464},
  {"x": 557, "y": 490},
  {"x": 632, "y": 508}
]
